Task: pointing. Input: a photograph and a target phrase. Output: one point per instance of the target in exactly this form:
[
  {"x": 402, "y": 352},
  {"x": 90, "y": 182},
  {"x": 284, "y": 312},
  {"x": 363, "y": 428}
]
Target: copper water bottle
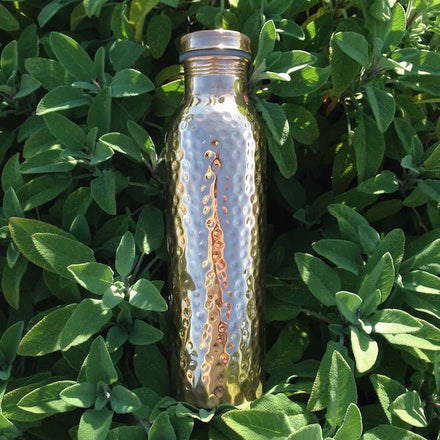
[{"x": 216, "y": 164}]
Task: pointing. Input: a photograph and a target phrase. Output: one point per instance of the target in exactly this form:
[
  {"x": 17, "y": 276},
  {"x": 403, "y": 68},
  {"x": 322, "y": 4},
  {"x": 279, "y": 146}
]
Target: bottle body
[{"x": 215, "y": 162}]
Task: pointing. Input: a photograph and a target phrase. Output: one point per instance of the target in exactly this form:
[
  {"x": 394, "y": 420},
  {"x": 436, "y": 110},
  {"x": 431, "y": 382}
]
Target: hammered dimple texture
[{"x": 215, "y": 162}]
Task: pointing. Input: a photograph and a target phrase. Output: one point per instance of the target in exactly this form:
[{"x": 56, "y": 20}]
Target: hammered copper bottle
[{"x": 215, "y": 162}]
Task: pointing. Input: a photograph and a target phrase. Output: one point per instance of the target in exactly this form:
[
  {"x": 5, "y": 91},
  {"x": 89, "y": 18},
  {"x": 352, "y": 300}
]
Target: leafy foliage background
[{"x": 348, "y": 92}]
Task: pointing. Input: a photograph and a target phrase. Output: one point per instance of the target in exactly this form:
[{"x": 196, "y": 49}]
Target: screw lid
[{"x": 215, "y": 42}]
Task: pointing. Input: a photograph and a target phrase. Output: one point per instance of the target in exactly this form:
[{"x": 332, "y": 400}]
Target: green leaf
[
  {"x": 206, "y": 15},
  {"x": 275, "y": 119},
  {"x": 138, "y": 10},
  {"x": 99, "y": 114},
  {"x": 11, "y": 282},
  {"x": 342, "y": 389},
  {"x": 393, "y": 321},
  {"x": 66, "y": 131},
  {"x": 150, "y": 229},
  {"x": 101, "y": 154},
  {"x": 10, "y": 175},
  {"x": 76, "y": 203},
  {"x": 95, "y": 425},
  {"x": 388, "y": 432},
  {"x": 62, "y": 98},
  {"x": 320, "y": 278},
  {"x": 426, "y": 338},
  {"x": 93, "y": 7},
  {"x": 49, "y": 73},
  {"x": 99, "y": 365},
  {"x": 409, "y": 139},
  {"x": 384, "y": 183},
  {"x": 351, "y": 428},
  {"x": 387, "y": 391},
  {"x": 127, "y": 432},
  {"x": 319, "y": 397},
  {"x": 81, "y": 395},
  {"x": 348, "y": 304},
  {"x": 10, "y": 401},
  {"x": 9, "y": 59},
  {"x": 113, "y": 296},
  {"x": 369, "y": 239},
  {"x": 148, "y": 358},
  {"x": 158, "y": 34},
  {"x": 289, "y": 62},
  {"x": 124, "y": 401},
  {"x": 7, "y": 21},
  {"x": 380, "y": 277},
  {"x": 383, "y": 106},
  {"x": 278, "y": 7},
  {"x": 431, "y": 188},
  {"x": 278, "y": 355},
  {"x": 59, "y": 252},
  {"x": 284, "y": 155},
  {"x": 310, "y": 432},
  {"x": 124, "y": 53},
  {"x": 123, "y": 144},
  {"x": 141, "y": 137},
  {"x": 258, "y": 425},
  {"x": 343, "y": 253},
  {"x": 28, "y": 85},
  {"x": 426, "y": 258},
  {"x": 51, "y": 161},
  {"x": 353, "y": 45},
  {"x": 408, "y": 407},
  {"x": 396, "y": 28},
  {"x": 130, "y": 82},
  {"x": 125, "y": 254},
  {"x": 9, "y": 343},
  {"x": 302, "y": 82},
  {"x": 162, "y": 429},
  {"x": 45, "y": 336},
  {"x": 266, "y": 41},
  {"x": 46, "y": 399},
  {"x": 144, "y": 334},
  {"x": 72, "y": 56},
  {"x": 22, "y": 229},
  {"x": 421, "y": 282},
  {"x": 369, "y": 147},
  {"x": 144, "y": 295},
  {"x": 50, "y": 10},
  {"x": 344, "y": 69},
  {"x": 303, "y": 125},
  {"x": 95, "y": 277},
  {"x": 365, "y": 350},
  {"x": 38, "y": 191},
  {"x": 168, "y": 98},
  {"x": 348, "y": 221},
  {"x": 290, "y": 28},
  {"x": 394, "y": 243},
  {"x": 86, "y": 320},
  {"x": 103, "y": 190}
]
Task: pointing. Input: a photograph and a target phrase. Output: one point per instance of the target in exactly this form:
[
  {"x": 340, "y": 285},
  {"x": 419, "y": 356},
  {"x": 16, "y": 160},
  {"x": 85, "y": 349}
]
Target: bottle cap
[{"x": 215, "y": 42}]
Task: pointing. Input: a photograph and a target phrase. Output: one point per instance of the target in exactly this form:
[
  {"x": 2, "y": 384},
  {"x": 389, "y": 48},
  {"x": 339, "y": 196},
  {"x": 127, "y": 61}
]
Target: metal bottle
[{"x": 216, "y": 162}]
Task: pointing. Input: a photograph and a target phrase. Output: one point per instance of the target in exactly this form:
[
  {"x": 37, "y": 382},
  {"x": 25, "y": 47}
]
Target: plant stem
[
  {"x": 152, "y": 124},
  {"x": 437, "y": 372},
  {"x": 315, "y": 315},
  {"x": 142, "y": 185},
  {"x": 136, "y": 269}
]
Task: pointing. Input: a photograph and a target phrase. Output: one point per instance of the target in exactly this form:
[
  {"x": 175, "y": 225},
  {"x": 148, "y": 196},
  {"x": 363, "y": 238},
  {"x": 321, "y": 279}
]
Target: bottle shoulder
[{"x": 221, "y": 111}]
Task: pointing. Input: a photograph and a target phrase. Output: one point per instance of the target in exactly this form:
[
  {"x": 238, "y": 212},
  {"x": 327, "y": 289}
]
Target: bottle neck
[{"x": 215, "y": 76}]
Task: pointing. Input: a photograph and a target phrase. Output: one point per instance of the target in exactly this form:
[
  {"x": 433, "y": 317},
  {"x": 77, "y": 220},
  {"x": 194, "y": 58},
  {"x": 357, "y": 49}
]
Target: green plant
[{"x": 348, "y": 92}]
